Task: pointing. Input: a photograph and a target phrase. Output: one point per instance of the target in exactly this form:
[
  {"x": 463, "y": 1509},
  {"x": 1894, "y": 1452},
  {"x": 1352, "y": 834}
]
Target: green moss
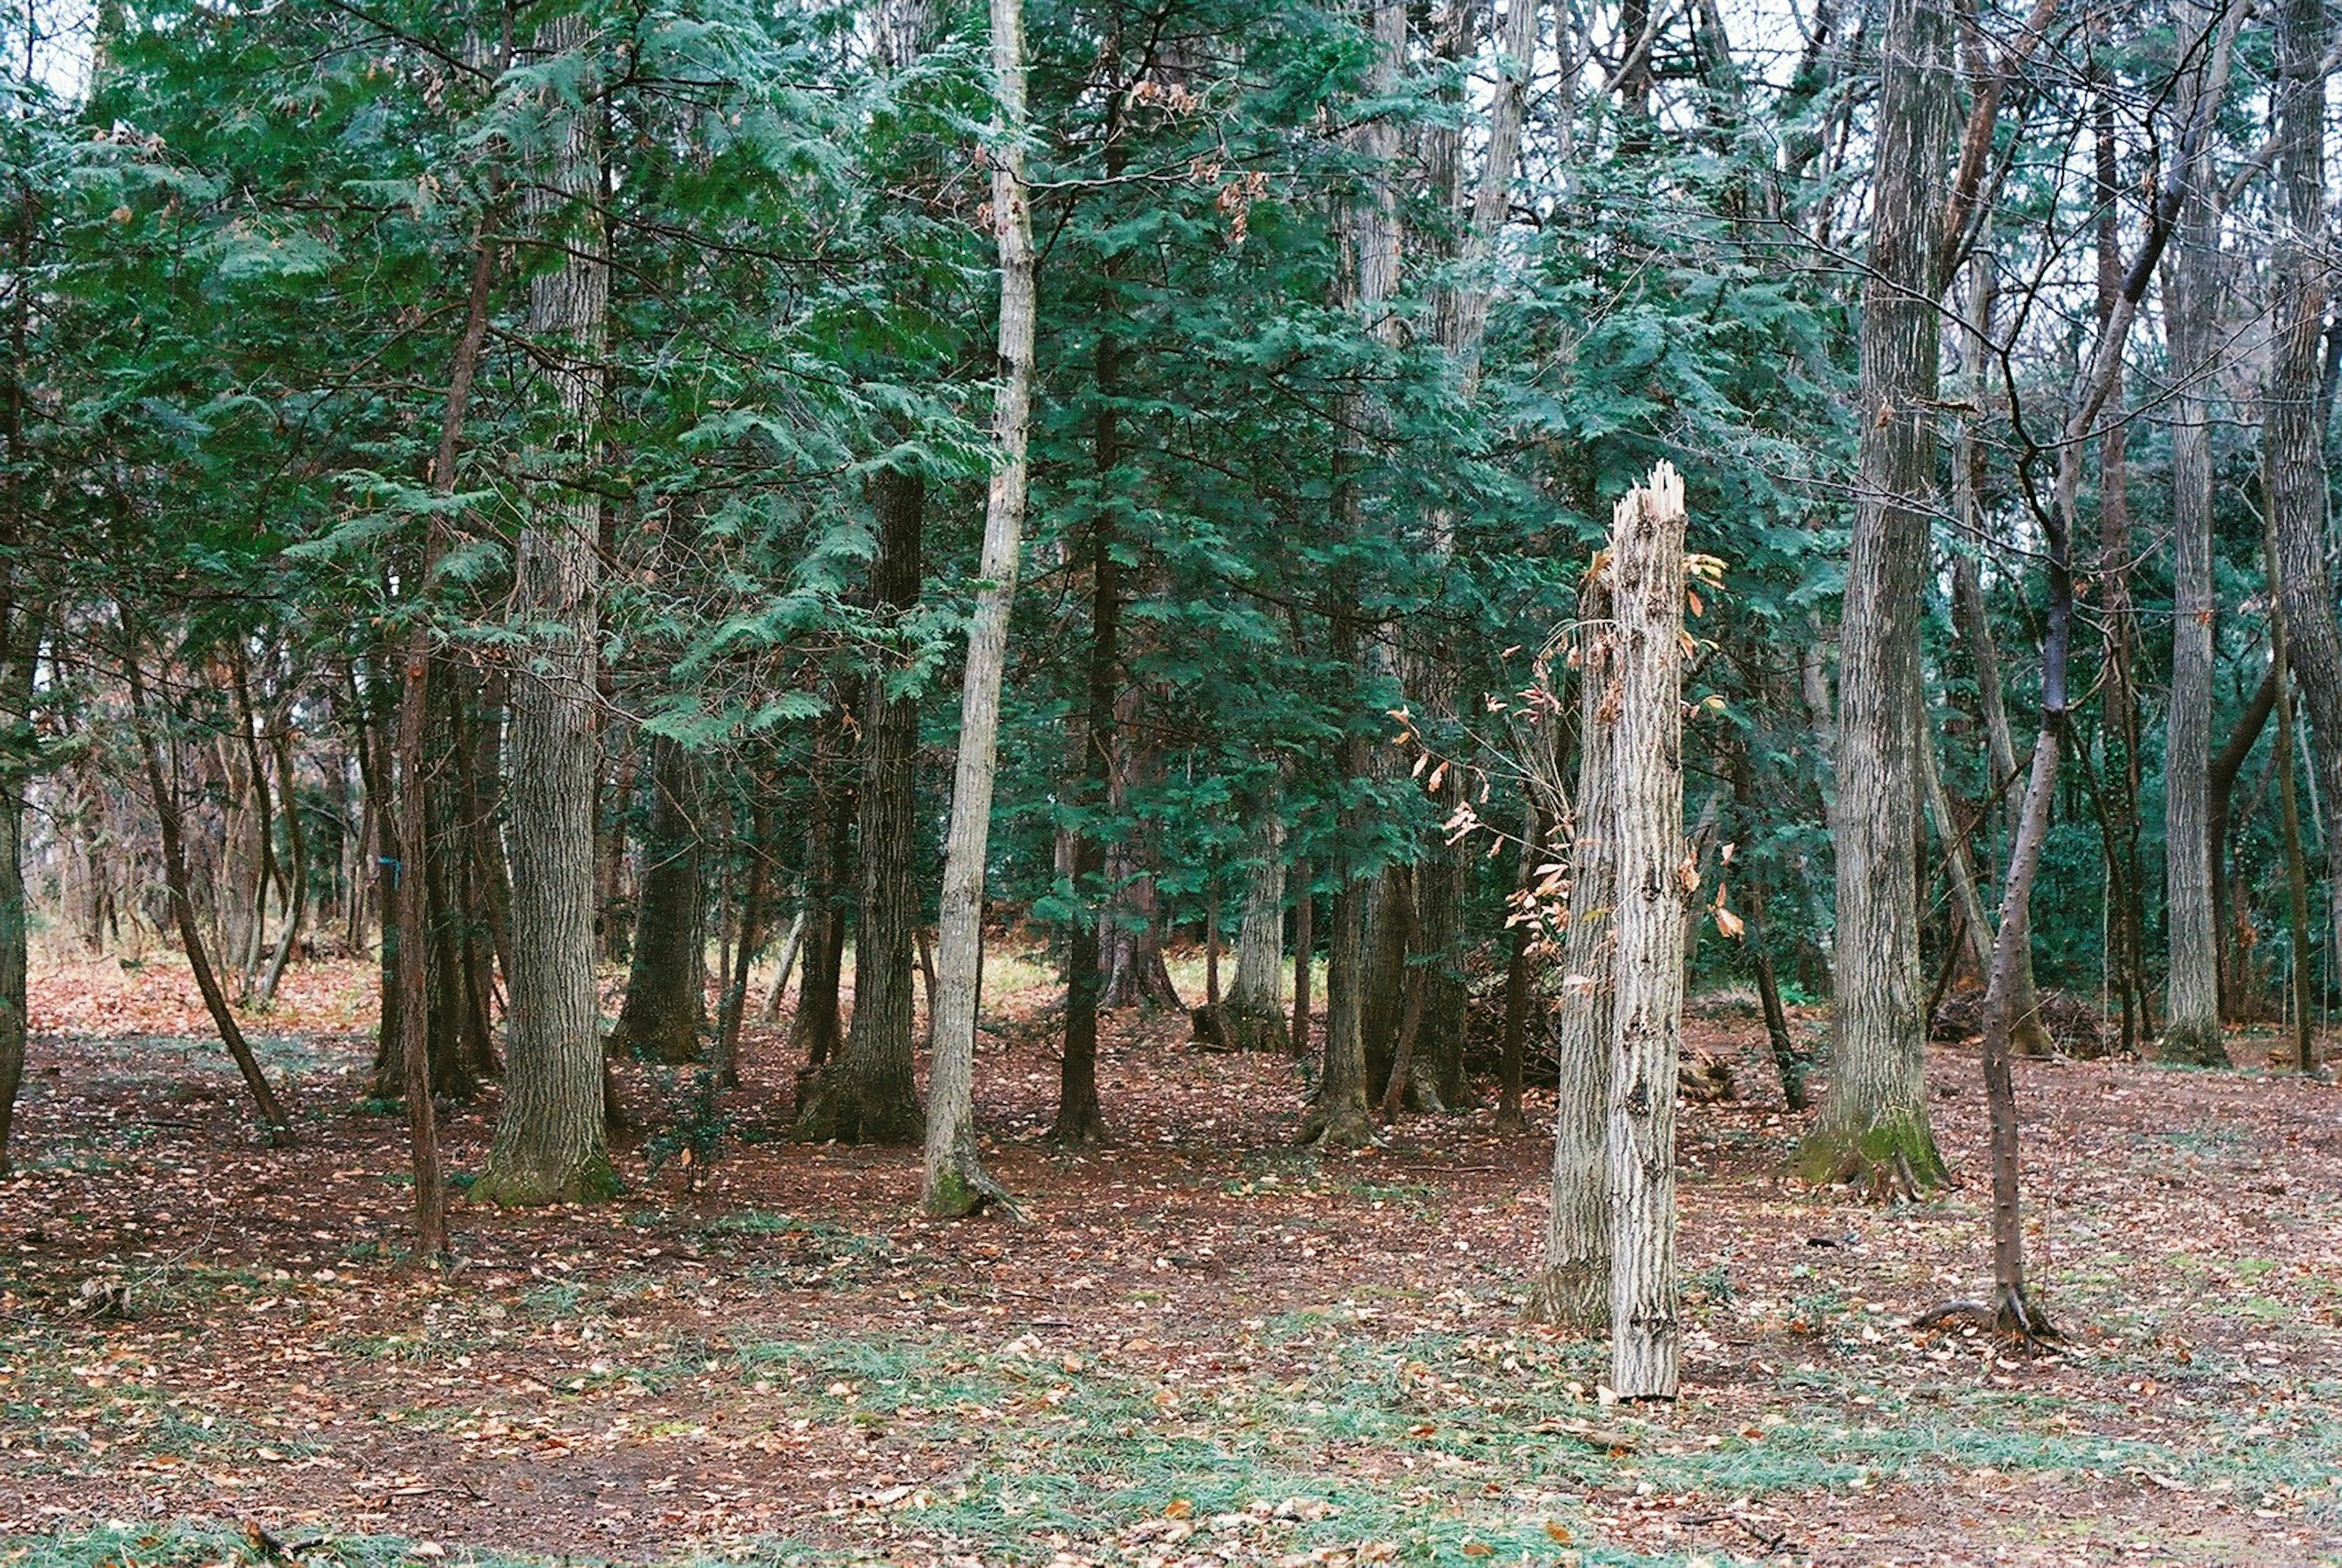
[{"x": 1895, "y": 1153}]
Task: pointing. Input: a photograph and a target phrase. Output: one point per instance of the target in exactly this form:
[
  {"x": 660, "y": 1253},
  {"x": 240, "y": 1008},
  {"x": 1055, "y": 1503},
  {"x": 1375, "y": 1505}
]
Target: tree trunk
[
  {"x": 18, "y": 648},
  {"x": 2191, "y": 1030},
  {"x": 666, "y": 1004},
  {"x": 734, "y": 1003},
  {"x": 2230, "y": 761},
  {"x": 1517, "y": 976},
  {"x": 550, "y": 1143},
  {"x": 1338, "y": 1119},
  {"x": 2296, "y": 870},
  {"x": 1305, "y": 954},
  {"x": 791, "y": 945},
  {"x": 1258, "y": 990},
  {"x": 954, "y": 1181},
  {"x": 1575, "y": 1285},
  {"x": 275, "y": 1126},
  {"x": 2292, "y": 441},
  {"x": 1875, "y": 1122},
  {"x": 1654, "y": 897},
  {"x": 815, "y": 1030},
  {"x": 1080, "y": 1119},
  {"x": 867, "y": 1095}
]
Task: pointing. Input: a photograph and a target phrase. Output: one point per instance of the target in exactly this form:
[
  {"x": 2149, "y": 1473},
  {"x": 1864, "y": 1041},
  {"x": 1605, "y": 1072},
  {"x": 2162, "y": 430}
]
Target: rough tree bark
[
  {"x": 665, "y": 1005},
  {"x": 954, "y": 1181},
  {"x": 867, "y": 1095},
  {"x": 1874, "y": 1124},
  {"x": 2191, "y": 1030},
  {"x": 2292, "y": 439},
  {"x": 550, "y": 1143},
  {"x": 1654, "y": 897},
  {"x": 1574, "y": 1287}
]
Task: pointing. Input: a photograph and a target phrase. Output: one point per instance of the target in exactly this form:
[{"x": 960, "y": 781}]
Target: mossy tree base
[
  {"x": 1894, "y": 1155},
  {"x": 592, "y": 1180},
  {"x": 2193, "y": 1046},
  {"x": 837, "y": 1105},
  {"x": 1343, "y": 1124},
  {"x": 961, "y": 1189}
]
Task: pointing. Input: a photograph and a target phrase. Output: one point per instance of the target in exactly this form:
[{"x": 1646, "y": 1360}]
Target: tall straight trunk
[
  {"x": 412, "y": 1021},
  {"x": 266, "y": 875},
  {"x": 1080, "y": 1119},
  {"x": 18, "y": 649},
  {"x": 666, "y": 1004},
  {"x": 867, "y": 1094},
  {"x": 1575, "y": 1286},
  {"x": 1304, "y": 953},
  {"x": 954, "y": 1181},
  {"x": 273, "y": 1124},
  {"x": 1338, "y": 1118},
  {"x": 613, "y": 917},
  {"x": 2292, "y": 443},
  {"x": 2191, "y": 1030},
  {"x": 550, "y": 1143},
  {"x": 1874, "y": 1124},
  {"x": 1654, "y": 900},
  {"x": 2118, "y": 821},
  {"x": 2297, "y": 870}
]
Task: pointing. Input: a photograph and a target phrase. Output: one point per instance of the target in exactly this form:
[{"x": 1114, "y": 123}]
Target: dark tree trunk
[
  {"x": 2292, "y": 440},
  {"x": 1304, "y": 953},
  {"x": 665, "y": 1005},
  {"x": 866, "y": 1095},
  {"x": 814, "y": 1029},
  {"x": 1080, "y": 1119}
]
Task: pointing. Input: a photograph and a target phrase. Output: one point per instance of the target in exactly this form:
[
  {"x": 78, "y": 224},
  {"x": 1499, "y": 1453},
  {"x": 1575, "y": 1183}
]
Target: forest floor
[{"x": 1203, "y": 1346}]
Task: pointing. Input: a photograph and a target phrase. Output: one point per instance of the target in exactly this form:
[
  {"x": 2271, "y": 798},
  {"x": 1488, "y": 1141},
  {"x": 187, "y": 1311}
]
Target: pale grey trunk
[
  {"x": 1575, "y": 1286},
  {"x": 1875, "y": 1122},
  {"x": 1259, "y": 985},
  {"x": 954, "y": 1181},
  {"x": 1654, "y": 898},
  {"x": 550, "y": 1145}
]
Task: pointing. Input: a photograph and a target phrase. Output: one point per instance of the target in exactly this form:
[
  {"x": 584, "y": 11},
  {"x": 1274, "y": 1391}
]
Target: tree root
[{"x": 2012, "y": 1316}]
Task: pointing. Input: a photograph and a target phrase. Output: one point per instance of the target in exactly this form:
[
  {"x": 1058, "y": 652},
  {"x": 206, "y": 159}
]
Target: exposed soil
[{"x": 1204, "y": 1345}]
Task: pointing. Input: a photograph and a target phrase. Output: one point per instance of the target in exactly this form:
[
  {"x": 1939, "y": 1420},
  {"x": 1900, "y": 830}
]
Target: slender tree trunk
[
  {"x": 274, "y": 1125},
  {"x": 2296, "y": 870},
  {"x": 791, "y": 944},
  {"x": 2292, "y": 439},
  {"x": 868, "y": 1095},
  {"x": 1874, "y": 1124},
  {"x": 1080, "y": 1119},
  {"x": 2191, "y": 1030},
  {"x": 1517, "y": 976},
  {"x": 1575, "y": 1285},
  {"x": 296, "y": 847},
  {"x": 954, "y": 1181},
  {"x": 1305, "y": 954},
  {"x": 734, "y": 1003},
  {"x": 1646, "y": 545},
  {"x": 815, "y": 1030},
  {"x": 666, "y": 1004},
  {"x": 550, "y": 1143},
  {"x": 18, "y": 648}
]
